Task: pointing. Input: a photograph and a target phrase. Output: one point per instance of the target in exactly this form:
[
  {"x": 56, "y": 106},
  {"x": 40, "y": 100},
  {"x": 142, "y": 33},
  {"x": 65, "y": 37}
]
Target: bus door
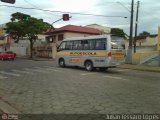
[
  {"x": 76, "y": 53},
  {"x": 101, "y": 57}
]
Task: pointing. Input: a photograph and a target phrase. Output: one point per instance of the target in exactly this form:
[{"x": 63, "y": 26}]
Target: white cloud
[
  {"x": 148, "y": 14},
  {"x": 73, "y": 5}
]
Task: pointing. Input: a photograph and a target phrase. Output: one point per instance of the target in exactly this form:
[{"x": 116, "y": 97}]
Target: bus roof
[{"x": 88, "y": 37}]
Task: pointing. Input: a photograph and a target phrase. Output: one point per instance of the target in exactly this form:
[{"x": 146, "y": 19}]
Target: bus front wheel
[
  {"x": 89, "y": 66},
  {"x": 61, "y": 63}
]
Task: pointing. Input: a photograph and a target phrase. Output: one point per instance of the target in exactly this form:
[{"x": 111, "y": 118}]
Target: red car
[{"x": 7, "y": 55}]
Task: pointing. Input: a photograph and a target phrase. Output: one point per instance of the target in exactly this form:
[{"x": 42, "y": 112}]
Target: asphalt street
[{"x": 41, "y": 87}]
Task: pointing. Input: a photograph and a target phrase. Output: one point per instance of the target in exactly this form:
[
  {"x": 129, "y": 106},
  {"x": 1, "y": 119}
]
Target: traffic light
[
  {"x": 9, "y": 1},
  {"x": 65, "y": 17}
]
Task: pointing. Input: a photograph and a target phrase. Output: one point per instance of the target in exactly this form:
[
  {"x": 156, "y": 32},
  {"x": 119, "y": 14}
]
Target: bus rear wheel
[
  {"x": 89, "y": 66},
  {"x": 61, "y": 63}
]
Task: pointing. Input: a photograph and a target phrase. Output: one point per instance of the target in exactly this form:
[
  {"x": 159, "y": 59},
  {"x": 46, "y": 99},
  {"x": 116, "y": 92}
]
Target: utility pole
[
  {"x": 136, "y": 26},
  {"x": 129, "y": 52}
]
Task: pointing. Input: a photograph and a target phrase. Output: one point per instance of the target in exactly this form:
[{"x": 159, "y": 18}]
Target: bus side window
[
  {"x": 79, "y": 45},
  {"x": 86, "y": 45},
  {"x": 75, "y": 45},
  {"x": 91, "y": 44},
  {"x": 100, "y": 44},
  {"x": 68, "y": 45}
]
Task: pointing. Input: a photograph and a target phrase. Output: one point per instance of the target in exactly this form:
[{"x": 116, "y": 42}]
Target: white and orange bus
[{"x": 90, "y": 52}]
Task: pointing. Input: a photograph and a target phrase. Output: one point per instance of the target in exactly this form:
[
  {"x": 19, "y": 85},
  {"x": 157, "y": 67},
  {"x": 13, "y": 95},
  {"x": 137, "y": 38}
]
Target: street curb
[
  {"x": 140, "y": 69},
  {"x": 36, "y": 59},
  {"x": 42, "y": 60}
]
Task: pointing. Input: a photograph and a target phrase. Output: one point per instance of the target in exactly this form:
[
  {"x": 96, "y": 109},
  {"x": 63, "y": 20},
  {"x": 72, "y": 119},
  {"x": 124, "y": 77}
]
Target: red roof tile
[{"x": 77, "y": 29}]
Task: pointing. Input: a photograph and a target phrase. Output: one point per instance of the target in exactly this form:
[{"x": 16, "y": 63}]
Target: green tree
[
  {"x": 118, "y": 32},
  {"x": 23, "y": 25},
  {"x": 144, "y": 33}
]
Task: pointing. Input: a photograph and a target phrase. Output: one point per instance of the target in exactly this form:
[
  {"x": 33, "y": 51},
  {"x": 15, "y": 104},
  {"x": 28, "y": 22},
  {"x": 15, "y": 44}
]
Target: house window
[
  {"x": 60, "y": 37},
  {"x": 50, "y": 39},
  {"x": 47, "y": 39}
]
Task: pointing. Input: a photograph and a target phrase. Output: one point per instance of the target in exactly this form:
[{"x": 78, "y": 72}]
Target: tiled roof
[
  {"x": 145, "y": 36},
  {"x": 77, "y": 29}
]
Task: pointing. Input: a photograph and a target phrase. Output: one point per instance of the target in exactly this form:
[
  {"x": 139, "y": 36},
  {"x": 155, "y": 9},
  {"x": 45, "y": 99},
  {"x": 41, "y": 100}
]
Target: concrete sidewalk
[
  {"x": 35, "y": 58},
  {"x": 140, "y": 67}
]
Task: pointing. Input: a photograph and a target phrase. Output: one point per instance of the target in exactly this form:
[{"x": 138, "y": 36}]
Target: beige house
[
  {"x": 1, "y": 43},
  {"x": 2, "y": 34},
  {"x": 150, "y": 40},
  {"x": 2, "y": 31},
  {"x": 145, "y": 43},
  {"x": 100, "y": 27},
  {"x": 55, "y": 36}
]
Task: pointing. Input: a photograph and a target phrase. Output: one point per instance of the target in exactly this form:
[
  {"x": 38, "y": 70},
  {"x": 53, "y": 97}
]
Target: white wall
[
  {"x": 143, "y": 49},
  {"x": 20, "y": 51},
  {"x": 21, "y": 48}
]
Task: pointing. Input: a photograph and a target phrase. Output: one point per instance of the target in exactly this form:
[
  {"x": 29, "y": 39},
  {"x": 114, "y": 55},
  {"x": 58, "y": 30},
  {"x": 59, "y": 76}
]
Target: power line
[
  {"x": 37, "y": 7},
  {"x": 31, "y": 4},
  {"x": 124, "y": 6},
  {"x": 61, "y": 11}
]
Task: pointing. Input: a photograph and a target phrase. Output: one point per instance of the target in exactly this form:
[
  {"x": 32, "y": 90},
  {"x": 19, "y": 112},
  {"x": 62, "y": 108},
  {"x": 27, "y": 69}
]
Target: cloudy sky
[{"x": 114, "y": 12}]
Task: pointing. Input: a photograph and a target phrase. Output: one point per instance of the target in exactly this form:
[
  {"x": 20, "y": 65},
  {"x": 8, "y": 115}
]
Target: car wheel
[
  {"x": 89, "y": 66},
  {"x": 61, "y": 63}
]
